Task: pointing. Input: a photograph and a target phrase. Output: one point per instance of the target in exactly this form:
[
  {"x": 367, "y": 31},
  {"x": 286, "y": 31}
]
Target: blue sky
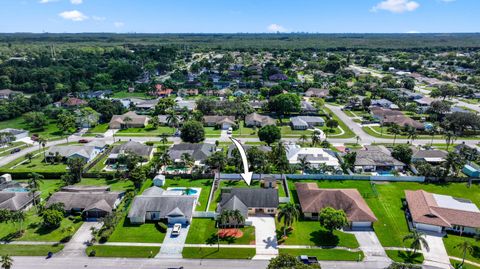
[{"x": 234, "y": 16}]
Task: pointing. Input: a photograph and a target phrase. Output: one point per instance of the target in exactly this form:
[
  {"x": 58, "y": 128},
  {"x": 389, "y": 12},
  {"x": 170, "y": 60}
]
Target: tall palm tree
[
  {"x": 315, "y": 138},
  {"x": 42, "y": 142},
  {"x": 164, "y": 138},
  {"x": 127, "y": 120},
  {"x": 304, "y": 164},
  {"x": 412, "y": 134},
  {"x": 237, "y": 217},
  {"x": 164, "y": 159},
  {"x": 303, "y": 138},
  {"x": 453, "y": 162},
  {"x": 450, "y": 138},
  {"x": 465, "y": 247},
  {"x": 172, "y": 119},
  {"x": 418, "y": 239},
  {"x": 395, "y": 130},
  {"x": 289, "y": 213},
  {"x": 34, "y": 184},
  {"x": 187, "y": 160},
  {"x": 7, "y": 261}
]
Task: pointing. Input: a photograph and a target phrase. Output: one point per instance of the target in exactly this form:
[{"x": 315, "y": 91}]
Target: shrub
[
  {"x": 162, "y": 227},
  {"x": 92, "y": 253},
  {"x": 52, "y": 218}
]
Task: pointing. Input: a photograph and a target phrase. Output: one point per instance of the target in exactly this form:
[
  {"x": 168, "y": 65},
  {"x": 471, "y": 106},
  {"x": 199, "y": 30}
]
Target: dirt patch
[{"x": 225, "y": 233}]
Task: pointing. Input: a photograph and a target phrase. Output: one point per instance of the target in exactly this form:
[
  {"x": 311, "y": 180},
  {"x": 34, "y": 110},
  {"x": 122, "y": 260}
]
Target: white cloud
[
  {"x": 98, "y": 18},
  {"x": 118, "y": 24},
  {"x": 76, "y": 2},
  {"x": 276, "y": 28},
  {"x": 47, "y": 1},
  {"x": 396, "y": 6},
  {"x": 413, "y": 32},
  {"x": 73, "y": 15}
]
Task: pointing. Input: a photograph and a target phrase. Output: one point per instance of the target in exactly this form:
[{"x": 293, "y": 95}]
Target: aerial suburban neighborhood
[{"x": 240, "y": 150}]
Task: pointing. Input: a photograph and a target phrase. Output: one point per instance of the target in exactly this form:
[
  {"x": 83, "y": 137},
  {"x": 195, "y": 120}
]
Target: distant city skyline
[{"x": 240, "y": 16}]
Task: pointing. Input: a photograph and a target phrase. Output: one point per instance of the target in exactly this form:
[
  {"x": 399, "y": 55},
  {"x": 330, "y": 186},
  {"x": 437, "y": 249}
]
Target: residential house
[
  {"x": 17, "y": 134},
  {"x": 308, "y": 108},
  {"x": 306, "y": 122},
  {"x": 199, "y": 152},
  {"x": 278, "y": 77},
  {"x": 87, "y": 152},
  {"x": 128, "y": 120},
  {"x": 257, "y": 120},
  {"x": 161, "y": 91},
  {"x": 383, "y": 103},
  {"x": 15, "y": 201},
  {"x": 249, "y": 201},
  {"x": 155, "y": 204},
  {"x": 6, "y": 93},
  {"x": 181, "y": 104},
  {"x": 95, "y": 94},
  {"x": 439, "y": 213},
  {"x": 315, "y": 92},
  {"x": 432, "y": 156},
  {"x": 258, "y": 104},
  {"x": 316, "y": 157},
  {"x": 388, "y": 117},
  {"x": 376, "y": 159},
  {"x": 222, "y": 122},
  {"x": 145, "y": 106},
  {"x": 71, "y": 102},
  {"x": 93, "y": 203},
  {"x": 423, "y": 103},
  {"x": 131, "y": 147},
  {"x": 232, "y": 148},
  {"x": 188, "y": 92},
  {"x": 313, "y": 200}
]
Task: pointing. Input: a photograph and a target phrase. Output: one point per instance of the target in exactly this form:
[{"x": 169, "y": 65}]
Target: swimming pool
[
  {"x": 15, "y": 189},
  {"x": 185, "y": 191}
]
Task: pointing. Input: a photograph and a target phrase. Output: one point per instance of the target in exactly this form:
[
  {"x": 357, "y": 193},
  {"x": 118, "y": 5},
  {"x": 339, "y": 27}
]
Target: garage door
[
  {"x": 428, "y": 228},
  {"x": 361, "y": 225}
]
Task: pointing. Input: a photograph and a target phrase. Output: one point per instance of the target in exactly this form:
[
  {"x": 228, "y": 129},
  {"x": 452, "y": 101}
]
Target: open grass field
[
  {"x": 310, "y": 233},
  {"x": 148, "y": 131},
  {"x": 36, "y": 164},
  {"x": 127, "y": 94},
  {"x": 376, "y": 131},
  {"x": 123, "y": 252},
  {"x": 144, "y": 233},
  {"x": 214, "y": 253},
  {"x": 405, "y": 257},
  {"x": 385, "y": 200},
  {"x": 203, "y": 231},
  {"x": 29, "y": 250},
  {"x": 325, "y": 254},
  {"x": 49, "y": 131}
]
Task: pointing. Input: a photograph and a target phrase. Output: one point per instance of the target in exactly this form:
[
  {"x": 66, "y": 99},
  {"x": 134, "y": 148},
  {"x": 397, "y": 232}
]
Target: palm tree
[
  {"x": 304, "y": 164},
  {"x": 418, "y": 239},
  {"x": 154, "y": 122},
  {"x": 34, "y": 184},
  {"x": 185, "y": 116},
  {"x": 127, "y": 120},
  {"x": 453, "y": 163},
  {"x": 237, "y": 217},
  {"x": 42, "y": 142},
  {"x": 7, "y": 261},
  {"x": 303, "y": 138},
  {"x": 395, "y": 130},
  {"x": 187, "y": 160},
  {"x": 29, "y": 157},
  {"x": 289, "y": 213},
  {"x": 165, "y": 159},
  {"x": 172, "y": 119},
  {"x": 412, "y": 134},
  {"x": 164, "y": 138},
  {"x": 450, "y": 138},
  {"x": 432, "y": 132},
  {"x": 315, "y": 138},
  {"x": 465, "y": 247}
]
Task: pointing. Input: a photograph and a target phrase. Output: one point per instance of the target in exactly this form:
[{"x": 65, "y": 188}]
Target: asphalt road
[{"x": 123, "y": 263}]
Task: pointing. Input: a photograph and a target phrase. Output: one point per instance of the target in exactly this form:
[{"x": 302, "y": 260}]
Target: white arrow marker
[{"x": 247, "y": 176}]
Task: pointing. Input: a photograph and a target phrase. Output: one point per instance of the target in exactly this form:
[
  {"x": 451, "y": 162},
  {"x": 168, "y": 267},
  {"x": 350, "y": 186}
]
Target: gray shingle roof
[
  {"x": 251, "y": 197},
  {"x": 376, "y": 155},
  {"x": 83, "y": 200},
  {"x": 16, "y": 200},
  {"x": 70, "y": 150},
  {"x": 133, "y": 147},
  {"x": 199, "y": 152},
  {"x": 166, "y": 205}
]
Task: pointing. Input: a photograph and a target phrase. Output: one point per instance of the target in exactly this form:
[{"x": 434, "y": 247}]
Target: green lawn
[
  {"x": 325, "y": 254},
  {"x": 203, "y": 231},
  {"x": 214, "y": 253},
  {"x": 465, "y": 266},
  {"x": 391, "y": 226},
  {"x": 451, "y": 242},
  {"x": 5, "y": 151},
  {"x": 34, "y": 230},
  {"x": 244, "y": 131},
  {"x": 348, "y": 133},
  {"x": 205, "y": 184},
  {"x": 148, "y": 131},
  {"x": 98, "y": 167},
  {"x": 126, "y": 94},
  {"x": 376, "y": 131},
  {"x": 123, "y": 252},
  {"x": 47, "y": 187},
  {"x": 115, "y": 185},
  {"x": 98, "y": 129},
  {"x": 29, "y": 250},
  {"x": 49, "y": 131},
  {"x": 211, "y": 131},
  {"x": 35, "y": 165},
  {"x": 405, "y": 257},
  {"x": 144, "y": 233},
  {"x": 310, "y": 233}
]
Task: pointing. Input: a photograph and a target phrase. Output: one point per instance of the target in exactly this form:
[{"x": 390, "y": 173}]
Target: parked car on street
[{"x": 13, "y": 151}]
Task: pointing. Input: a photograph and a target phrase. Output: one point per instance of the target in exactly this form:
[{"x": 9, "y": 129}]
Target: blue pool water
[
  {"x": 18, "y": 189},
  {"x": 385, "y": 174},
  {"x": 186, "y": 191}
]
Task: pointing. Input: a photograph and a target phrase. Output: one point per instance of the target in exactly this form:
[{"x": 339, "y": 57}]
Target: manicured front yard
[
  {"x": 35, "y": 165},
  {"x": 310, "y": 233},
  {"x": 244, "y": 131},
  {"x": 214, "y": 253},
  {"x": 203, "y": 231},
  {"x": 451, "y": 242},
  {"x": 29, "y": 250},
  {"x": 212, "y": 132},
  {"x": 144, "y": 233},
  {"x": 325, "y": 254},
  {"x": 123, "y": 251},
  {"x": 98, "y": 129},
  {"x": 148, "y": 131},
  {"x": 49, "y": 131},
  {"x": 405, "y": 257}
]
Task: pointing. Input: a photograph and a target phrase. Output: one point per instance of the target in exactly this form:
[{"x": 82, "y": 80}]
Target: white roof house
[{"x": 315, "y": 156}]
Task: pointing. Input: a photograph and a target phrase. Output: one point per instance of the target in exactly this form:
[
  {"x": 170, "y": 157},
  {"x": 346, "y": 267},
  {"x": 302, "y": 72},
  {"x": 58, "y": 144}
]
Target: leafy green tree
[
  {"x": 29, "y": 157},
  {"x": 287, "y": 261},
  {"x": 7, "y": 261},
  {"x": 349, "y": 161},
  {"x": 217, "y": 160},
  {"x": 269, "y": 134},
  {"x": 332, "y": 219},
  {"x": 52, "y": 218},
  {"x": 192, "y": 132},
  {"x": 418, "y": 239},
  {"x": 66, "y": 122},
  {"x": 288, "y": 213},
  {"x": 402, "y": 153},
  {"x": 137, "y": 176},
  {"x": 36, "y": 120},
  {"x": 75, "y": 166},
  {"x": 284, "y": 104}
]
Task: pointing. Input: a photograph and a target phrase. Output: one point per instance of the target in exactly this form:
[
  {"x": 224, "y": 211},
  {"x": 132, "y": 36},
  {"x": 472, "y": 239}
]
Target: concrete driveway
[
  {"x": 265, "y": 237},
  {"x": 370, "y": 245},
  {"x": 78, "y": 244},
  {"x": 437, "y": 255},
  {"x": 172, "y": 246}
]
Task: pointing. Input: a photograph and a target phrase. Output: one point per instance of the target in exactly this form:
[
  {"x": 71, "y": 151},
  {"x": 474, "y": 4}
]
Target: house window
[{"x": 270, "y": 210}]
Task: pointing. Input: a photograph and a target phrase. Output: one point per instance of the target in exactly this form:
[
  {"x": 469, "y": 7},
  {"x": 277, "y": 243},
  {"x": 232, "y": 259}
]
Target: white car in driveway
[{"x": 177, "y": 227}]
